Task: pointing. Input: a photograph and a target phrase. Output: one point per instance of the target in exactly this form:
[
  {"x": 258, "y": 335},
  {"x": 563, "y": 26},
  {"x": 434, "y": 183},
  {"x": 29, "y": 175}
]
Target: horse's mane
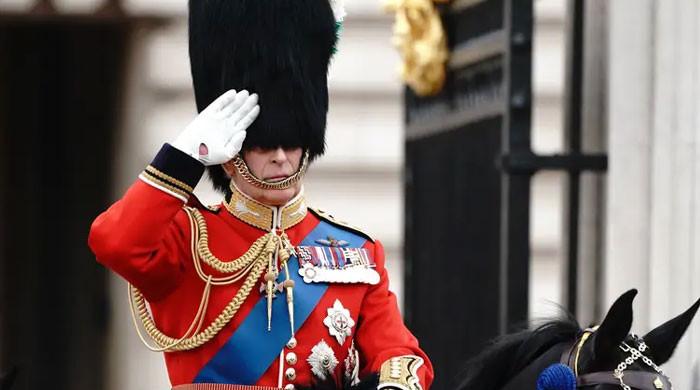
[{"x": 510, "y": 354}]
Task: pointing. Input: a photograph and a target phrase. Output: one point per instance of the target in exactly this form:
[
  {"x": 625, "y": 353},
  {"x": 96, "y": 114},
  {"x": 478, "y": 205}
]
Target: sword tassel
[{"x": 288, "y": 287}]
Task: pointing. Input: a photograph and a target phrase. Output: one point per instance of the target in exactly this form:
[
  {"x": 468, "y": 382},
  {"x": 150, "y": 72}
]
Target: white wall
[{"x": 654, "y": 177}]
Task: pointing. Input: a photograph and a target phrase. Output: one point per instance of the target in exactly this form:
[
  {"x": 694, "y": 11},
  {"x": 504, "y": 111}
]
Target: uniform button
[
  {"x": 292, "y": 343},
  {"x": 290, "y": 374},
  {"x": 289, "y": 387},
  {"x": 291, "y": 358}
]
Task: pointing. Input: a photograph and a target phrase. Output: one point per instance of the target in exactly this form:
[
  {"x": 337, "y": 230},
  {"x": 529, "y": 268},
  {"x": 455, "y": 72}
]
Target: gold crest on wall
[{"x": 422, "y": 43}]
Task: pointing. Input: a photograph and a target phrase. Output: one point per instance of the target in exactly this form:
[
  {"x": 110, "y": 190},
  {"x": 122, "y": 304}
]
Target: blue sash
[{"x": 252, "y": 349}]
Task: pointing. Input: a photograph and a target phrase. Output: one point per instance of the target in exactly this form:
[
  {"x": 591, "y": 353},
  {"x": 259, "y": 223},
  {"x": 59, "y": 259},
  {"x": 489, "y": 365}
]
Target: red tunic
[{"x": 145, "y": 238}]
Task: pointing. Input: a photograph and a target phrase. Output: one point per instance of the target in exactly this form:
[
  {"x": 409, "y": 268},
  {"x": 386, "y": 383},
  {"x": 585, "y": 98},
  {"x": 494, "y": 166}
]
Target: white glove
[{"x": 216, "y": 135}]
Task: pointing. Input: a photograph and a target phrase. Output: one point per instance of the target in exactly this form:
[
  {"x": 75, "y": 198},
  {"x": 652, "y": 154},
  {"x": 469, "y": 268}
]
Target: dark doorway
[{"x": 60, "y": 83}]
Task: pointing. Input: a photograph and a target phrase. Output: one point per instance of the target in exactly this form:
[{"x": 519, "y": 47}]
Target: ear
[
  {"x": 615, "y": 326},
  {"x": 229, "y": 168},
  {"x": 662, "y": 341}
]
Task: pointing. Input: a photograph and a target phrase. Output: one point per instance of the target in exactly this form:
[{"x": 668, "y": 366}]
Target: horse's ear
[
  {"x": 616, "y": 325},
  {"x": 662, "y": 341}
]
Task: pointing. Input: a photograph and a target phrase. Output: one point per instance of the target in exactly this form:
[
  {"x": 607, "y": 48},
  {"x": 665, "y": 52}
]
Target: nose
[{"x": 279, "y": 156}]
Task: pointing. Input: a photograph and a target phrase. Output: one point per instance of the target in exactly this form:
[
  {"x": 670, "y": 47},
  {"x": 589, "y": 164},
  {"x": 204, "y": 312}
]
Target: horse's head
[
  {"x": 609, "y": 357},
  {"x": 559, "y": 355}
]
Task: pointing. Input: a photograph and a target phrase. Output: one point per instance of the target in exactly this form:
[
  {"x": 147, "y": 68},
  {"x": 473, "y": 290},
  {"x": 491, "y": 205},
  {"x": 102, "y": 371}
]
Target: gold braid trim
[
  {"x": 164, "y": 185},
  {"x": 265, "y": 242},
  {"x": 193, "y": 338},
  {"x": 155, "y": 172}
]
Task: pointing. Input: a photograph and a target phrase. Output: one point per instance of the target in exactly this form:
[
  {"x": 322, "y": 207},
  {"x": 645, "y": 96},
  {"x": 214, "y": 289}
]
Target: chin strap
[{"x": 248, "y": 176}]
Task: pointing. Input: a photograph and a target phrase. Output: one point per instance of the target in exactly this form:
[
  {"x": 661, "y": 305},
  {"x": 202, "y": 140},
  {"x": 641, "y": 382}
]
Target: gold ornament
[
  {"x": 658, "y": 383},
  {"x": 421, "y": 40},
  {"x": 400, "y": 372},
  {"x": 250, "y": 266}
]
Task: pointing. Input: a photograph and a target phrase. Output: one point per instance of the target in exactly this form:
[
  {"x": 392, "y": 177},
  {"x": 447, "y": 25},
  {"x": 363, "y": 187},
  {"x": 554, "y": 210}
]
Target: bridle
[{"x": 638, "y": 380}]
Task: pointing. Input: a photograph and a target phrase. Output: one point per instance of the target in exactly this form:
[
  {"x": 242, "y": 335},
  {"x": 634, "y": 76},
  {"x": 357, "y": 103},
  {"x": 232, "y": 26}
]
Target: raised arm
[{"x": 144, "y": 236}]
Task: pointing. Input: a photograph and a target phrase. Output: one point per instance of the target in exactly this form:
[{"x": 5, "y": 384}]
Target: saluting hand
[{"x": 216, "y": 135}]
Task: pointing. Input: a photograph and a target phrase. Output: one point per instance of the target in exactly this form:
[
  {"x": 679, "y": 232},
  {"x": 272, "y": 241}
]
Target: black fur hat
[{"x": 279, "y": 49}]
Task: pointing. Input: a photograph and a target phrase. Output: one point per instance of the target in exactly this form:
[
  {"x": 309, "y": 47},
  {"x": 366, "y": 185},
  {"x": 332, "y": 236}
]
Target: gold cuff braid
[{"x": 400, "y": 372}]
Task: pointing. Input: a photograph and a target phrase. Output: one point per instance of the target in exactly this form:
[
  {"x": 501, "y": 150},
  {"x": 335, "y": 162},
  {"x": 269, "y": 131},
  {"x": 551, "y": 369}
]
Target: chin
[{"x": 278, "y": 197}]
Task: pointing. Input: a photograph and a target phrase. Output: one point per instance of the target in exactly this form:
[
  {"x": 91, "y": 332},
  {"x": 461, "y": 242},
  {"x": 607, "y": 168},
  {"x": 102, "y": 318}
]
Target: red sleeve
[
  {"x": 144, "y": 236},
  {"x": 381, "y": 333}
]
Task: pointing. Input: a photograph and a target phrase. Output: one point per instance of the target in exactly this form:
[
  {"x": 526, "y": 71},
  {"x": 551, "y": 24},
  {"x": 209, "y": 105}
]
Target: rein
[{"x": 638, "y": 380}]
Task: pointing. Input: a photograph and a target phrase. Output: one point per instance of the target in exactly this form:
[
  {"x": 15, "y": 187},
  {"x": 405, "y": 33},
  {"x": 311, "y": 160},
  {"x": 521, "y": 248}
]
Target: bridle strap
[
  {"x": 575, "y": 350},
  {"x": 641, "y": 380}
]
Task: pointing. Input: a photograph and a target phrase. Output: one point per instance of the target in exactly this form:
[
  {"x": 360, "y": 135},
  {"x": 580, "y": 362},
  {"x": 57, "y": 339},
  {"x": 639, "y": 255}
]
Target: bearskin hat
[{"x": 279, "y": 49}]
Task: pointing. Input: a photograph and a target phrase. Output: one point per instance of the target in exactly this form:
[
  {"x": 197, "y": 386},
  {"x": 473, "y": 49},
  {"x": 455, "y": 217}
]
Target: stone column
[
  {"x": 594, "y": 139},
  {"x": 654, "y": 179}
]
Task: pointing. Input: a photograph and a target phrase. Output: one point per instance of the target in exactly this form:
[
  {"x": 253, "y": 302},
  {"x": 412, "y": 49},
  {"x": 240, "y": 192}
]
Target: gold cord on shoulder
[
  {"x": 250, "y": 265},
  {"x": 265, "y": 243}
]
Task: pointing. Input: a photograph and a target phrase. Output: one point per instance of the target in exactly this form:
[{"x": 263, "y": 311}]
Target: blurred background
[{"x": 557, "y": 166}]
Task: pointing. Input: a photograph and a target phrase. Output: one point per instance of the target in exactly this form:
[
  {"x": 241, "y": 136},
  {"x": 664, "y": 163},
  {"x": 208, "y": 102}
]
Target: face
[{"x": 270, "y": 165}]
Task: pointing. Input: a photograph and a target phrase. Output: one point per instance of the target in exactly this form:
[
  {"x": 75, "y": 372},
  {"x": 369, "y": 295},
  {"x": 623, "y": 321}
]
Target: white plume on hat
[{"x": 338, "y": 9}]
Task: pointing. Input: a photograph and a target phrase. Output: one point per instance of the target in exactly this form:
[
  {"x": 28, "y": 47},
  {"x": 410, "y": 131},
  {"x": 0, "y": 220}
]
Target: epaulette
[
  {"x": 333, "y": 221},
  {"x": 193, "y": 201}
]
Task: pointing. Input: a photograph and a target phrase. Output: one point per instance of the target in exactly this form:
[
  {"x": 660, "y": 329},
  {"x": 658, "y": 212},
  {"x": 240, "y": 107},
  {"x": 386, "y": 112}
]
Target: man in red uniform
[{"x": 261, "y": 290}]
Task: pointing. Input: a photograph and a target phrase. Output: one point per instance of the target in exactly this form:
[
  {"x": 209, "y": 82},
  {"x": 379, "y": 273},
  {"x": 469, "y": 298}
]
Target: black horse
[{"x": 560, "y": 355}]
